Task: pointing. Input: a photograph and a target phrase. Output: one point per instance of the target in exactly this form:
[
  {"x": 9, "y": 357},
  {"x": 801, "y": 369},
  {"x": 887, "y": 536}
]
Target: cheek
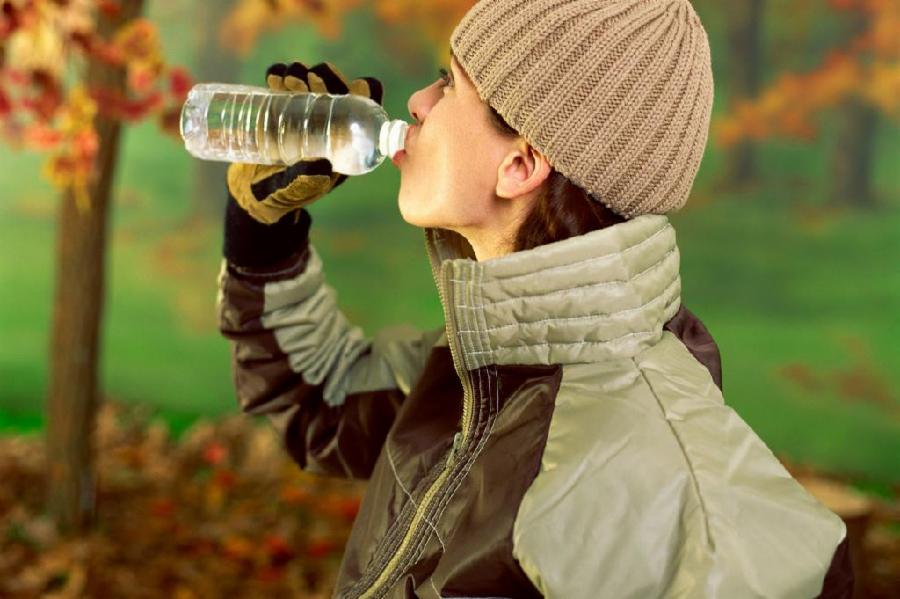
[
  {"x": 451, "y": 174},
  {"x": 462, "y": 160},
  {"x": 432, "y": 191}
]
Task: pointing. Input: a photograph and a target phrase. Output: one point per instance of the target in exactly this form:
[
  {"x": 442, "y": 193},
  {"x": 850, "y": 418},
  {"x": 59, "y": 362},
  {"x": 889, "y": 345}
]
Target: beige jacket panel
[
  {"x": 650, "y": 486},
  {"x": 323, "y": 346}
]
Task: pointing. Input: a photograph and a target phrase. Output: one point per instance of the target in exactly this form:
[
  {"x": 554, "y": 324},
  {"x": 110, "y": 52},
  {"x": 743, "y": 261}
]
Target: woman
[{"x": 564, "y": 435}]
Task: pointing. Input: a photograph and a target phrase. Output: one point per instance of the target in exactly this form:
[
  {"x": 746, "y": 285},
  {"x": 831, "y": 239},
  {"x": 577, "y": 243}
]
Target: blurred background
[{"x": 790, "y": 244}]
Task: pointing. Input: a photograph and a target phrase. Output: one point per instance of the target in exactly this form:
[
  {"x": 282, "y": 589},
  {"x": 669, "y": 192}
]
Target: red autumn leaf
[
  {"x": 170, "y": 120},
  {"x": 224, "y": 479},
  {"x": 179, "y": 83},
  {"x": 337, "y": 506},
  {"x": 64, "y": 170},
  {"x": 85, "y": 143},
  {"x": 215, "y": 453},
  {"x": 162, "y": 508},
  {"x": 62, "y": 165},
  {"x": 10, "y": 19},
  {"x": 238, "y": 548},
  {"x": 110, "y": 8},
  {"x": 319, "y": 548},
  {"x": 141, "y": 78},
  {"x": 97, "y": 48},
  {"x": 39, "y": 136},
  {"x": 16, "y": 76},
  {"x": 270, "y": 574},
  {"x": 81, "y": 40},
  {"x": 348, "y": 508},
  {"x": 5, "y": 104},
  {"x": 138, "y": 40},
  {"x": 135, "y": 110},
  {"x": 115, "y": 105},
  {"x": 278, "y": 550},
  {"x": 47, "y": 95},
  {"x": 295, "y": 495}
]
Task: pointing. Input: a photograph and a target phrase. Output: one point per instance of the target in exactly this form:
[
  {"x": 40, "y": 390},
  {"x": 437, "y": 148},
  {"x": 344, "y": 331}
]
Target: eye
[{"x": 445, "y": 77}]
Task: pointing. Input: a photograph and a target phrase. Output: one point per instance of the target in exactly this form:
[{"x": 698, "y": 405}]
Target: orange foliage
[
  {"x": 72, "y": 165},
  {"x": 40, "y": 40},
  {"x": 249, "y": 18},
  {"x": 867, "y": 68},
  {"x": 209, "y": 499},
  {"x": 436, "y": 19}
]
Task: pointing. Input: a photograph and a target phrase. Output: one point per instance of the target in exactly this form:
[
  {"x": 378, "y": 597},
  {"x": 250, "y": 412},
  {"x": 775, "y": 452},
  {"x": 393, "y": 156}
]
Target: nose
[{"x": 421, "y": 102}]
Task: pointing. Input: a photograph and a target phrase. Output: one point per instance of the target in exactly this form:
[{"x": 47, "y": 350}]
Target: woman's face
[{"x": 459, "y": 172}]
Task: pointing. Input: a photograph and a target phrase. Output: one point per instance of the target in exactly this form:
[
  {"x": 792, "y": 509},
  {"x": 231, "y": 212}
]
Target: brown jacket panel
[
  {"x": 465, "y": 549},
  {"x": 342, "y": 440}
]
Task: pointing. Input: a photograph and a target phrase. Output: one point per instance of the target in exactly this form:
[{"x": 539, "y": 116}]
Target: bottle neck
[{"x": 392, "y": 137}]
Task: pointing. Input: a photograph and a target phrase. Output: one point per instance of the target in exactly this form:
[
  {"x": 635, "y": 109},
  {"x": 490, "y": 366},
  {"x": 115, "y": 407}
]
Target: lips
[
  {"x": 407, "y": 138},
  {"x": 398, "y": 157}
]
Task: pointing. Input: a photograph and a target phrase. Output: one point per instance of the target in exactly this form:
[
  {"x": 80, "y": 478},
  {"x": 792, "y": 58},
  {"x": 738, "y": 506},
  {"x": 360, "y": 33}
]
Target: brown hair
[{"x": 562, "y": 210}]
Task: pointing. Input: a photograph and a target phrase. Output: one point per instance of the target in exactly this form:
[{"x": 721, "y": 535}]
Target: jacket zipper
[
  {"x": 452, "y": 341},
  {"x": 458, "y": 441}
]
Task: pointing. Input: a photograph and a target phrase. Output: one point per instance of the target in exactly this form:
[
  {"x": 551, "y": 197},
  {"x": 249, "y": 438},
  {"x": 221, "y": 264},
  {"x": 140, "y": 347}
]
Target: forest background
[{"x": 789, "y": 241}]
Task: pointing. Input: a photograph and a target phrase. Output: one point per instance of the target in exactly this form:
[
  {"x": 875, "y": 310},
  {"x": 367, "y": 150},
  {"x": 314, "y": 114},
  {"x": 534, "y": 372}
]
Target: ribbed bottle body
[{"x": 242, "y": 123}]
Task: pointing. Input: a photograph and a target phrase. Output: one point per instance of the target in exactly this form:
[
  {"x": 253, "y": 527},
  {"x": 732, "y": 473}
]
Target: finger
[
  {"x": 340, "y": 178},
  {"x": 306, "y": 189},
  {"x": 295, "y": 77},
  {"x": 275, "y": 76},
  {"x": 316, "y": 85},
  {"x": 263, "y": 171},
  {"x": 332, "y": 79},
  {"x": 319, "y": 166},
  {"x": 368, "y": 87},
  {"x": 313, "y": 166}
]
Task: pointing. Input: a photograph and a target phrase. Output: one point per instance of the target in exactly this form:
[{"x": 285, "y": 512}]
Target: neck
[
  {"x": 494, "y": 234},
  {"x": 495, "y": 242}
]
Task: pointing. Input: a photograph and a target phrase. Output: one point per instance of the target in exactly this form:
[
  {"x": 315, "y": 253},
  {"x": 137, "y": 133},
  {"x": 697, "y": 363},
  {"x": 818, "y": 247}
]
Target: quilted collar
[{"x": 599, "y": 296}]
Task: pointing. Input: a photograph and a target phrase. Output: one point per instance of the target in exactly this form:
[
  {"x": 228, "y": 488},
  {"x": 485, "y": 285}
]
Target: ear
[{"x": 522, "y": 170}]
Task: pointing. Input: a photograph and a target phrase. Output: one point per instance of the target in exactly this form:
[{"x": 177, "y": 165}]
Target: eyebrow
[{"x": 450, "y": 64}]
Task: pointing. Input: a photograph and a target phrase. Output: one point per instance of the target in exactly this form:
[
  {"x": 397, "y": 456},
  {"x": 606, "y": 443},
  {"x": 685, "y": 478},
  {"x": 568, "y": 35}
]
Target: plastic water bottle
[{"x": 243, "y": 123}]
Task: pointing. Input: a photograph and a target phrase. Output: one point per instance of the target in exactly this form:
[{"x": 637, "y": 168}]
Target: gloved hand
[{"x": 268, "y": 192}]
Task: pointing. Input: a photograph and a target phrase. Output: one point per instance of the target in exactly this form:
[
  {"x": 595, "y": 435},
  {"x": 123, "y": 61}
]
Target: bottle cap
[{"x": 392, "y": 137}]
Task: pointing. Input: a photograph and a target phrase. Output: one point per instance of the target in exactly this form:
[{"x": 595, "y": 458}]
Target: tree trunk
[
  {"x": 851, "y": 156},
  {"x": 73, "y": 394},
  {"x": 214, "y": 64},
  {"x": 744, "y": 58}
]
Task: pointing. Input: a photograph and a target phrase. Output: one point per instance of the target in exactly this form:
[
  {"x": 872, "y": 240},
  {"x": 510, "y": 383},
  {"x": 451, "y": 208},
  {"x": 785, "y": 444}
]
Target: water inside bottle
[{"x": 247, "y": 124}]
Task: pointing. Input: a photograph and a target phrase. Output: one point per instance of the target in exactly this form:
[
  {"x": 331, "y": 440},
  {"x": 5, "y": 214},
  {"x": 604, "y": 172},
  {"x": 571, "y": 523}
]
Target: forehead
[
  {"x": 461, "y": 80},
  {"x": 456, "y": 66},
  {"x": 459, "y": 73}
]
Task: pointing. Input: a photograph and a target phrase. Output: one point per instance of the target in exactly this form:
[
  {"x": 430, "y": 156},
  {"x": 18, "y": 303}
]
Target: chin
[
  {"x": 408, "y": 212},
  {"x": 426, "y": 209},
  {"x": 415, "y": 221}
]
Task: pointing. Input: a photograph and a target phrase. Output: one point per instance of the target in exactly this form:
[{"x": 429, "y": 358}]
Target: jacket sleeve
[{"x": 330, "y": 392}]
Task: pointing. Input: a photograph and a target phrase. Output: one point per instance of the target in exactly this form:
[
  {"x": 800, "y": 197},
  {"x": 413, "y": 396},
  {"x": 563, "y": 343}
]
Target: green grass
[
  {"x": 778, "y": 280},
  {"x": 773, "y": 289},
  {"x": 154, "y": 349},
  {"x": 776, "y": 290}
]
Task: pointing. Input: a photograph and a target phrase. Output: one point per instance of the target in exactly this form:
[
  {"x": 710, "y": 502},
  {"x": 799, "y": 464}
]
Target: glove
[{"x": 268, "y": 192}]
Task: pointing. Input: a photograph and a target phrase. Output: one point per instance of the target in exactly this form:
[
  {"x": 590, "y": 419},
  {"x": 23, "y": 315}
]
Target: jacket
[{"x": 563, "y": 435}]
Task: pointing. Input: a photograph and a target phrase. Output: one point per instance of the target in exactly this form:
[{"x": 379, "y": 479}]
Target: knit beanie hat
[{"x": 617, "y": 94}]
